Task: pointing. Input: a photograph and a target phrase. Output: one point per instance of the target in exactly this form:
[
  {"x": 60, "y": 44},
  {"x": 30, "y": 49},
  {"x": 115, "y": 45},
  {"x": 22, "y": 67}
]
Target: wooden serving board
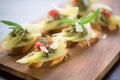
[{"x": 87, "y": 63}]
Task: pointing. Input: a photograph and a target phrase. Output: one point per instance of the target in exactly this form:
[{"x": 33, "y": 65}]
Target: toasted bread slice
[
  {"x": 74, "y": 38},
  {"x": 90, "y": 41},
  {"x": 49, "y": 63},
  {"x": 18, "y": 50},
  {"x": 84, "y": 42},
  {"x": 37, "y": 60},
  {"x": 101, "y": 28},
  {"x": 45, "y": 57}
]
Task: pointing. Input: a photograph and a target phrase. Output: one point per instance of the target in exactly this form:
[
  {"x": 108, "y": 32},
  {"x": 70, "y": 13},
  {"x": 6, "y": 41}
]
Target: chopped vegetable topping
[
  {"x": 106, "y": 12},
  {"x": 71, "y": 31},
  {"x": 44, "y": 44},
  {"x": 53, "y": 12}
]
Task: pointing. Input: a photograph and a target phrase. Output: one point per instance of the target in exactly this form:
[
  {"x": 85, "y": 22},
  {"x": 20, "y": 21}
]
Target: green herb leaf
[
  {"x": 87, "y": 18},
  {"x": 13, "y": 24},
  {"x": 68, "y": 20},
  {"x": 83, "y": 20}
]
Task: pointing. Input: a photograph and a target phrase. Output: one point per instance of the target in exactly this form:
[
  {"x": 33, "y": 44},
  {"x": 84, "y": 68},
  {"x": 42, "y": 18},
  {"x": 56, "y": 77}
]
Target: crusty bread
[
  {"x": 22, "y": 49},
  {"x": 83, "y": 43},
  {"x": 113, "y": 28},
  {"x": 92, "y": 40},
  {"x": 100, "y": 28},
  {"x": 49, "y": 63}
]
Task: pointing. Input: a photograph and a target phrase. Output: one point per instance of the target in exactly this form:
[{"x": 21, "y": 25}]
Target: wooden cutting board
[{"x": 87, "y": 63}]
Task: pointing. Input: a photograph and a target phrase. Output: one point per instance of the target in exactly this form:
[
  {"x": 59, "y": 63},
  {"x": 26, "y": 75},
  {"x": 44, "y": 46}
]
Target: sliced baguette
[
  {"x": 19, "y": 50},
  {"x": 101, "y": 28},
  {"x": 49, "y": 63},
  {"x": 82, "y": 43}
]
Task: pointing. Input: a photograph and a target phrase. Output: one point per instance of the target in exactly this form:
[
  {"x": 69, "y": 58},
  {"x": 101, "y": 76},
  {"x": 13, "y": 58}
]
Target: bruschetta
[
  {"x": 80, "y": 32},
  {"x": 80, "y": 37},
  {"x": 52, "y": 24},
  {"x": 19, "y": 40},
  {"x": 48, "y": 52},
  {"x": 106, "y": 19}
]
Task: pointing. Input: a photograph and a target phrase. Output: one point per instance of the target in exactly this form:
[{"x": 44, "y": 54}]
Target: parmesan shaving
[
  {"x": 43, "y": 49},
  {"x": 54, "y": 45},
  {"x": 78, "y": 27}
]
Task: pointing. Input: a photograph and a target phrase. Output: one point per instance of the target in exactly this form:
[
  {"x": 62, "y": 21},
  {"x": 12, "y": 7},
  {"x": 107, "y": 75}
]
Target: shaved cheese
[
  {"x": 78, "y": 27},
  {"x": 43, "y": 49},
  {"x": 54, "y": 45}
]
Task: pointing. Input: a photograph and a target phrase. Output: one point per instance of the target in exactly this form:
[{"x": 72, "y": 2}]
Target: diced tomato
[
  {"x": 106, "y": 13},
  {"x": 37, "y": 45},
  {"x": 74, "y": 1},
  {"x": 53, "y": 12}
]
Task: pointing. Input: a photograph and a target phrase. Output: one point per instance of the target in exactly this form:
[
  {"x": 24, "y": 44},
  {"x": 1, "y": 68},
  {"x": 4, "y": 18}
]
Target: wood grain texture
[{"x": 87, "y": 63}]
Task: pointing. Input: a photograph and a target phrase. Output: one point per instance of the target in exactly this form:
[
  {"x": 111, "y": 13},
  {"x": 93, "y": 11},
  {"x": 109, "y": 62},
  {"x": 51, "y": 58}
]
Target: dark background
[{"x": 24, "y": 11}]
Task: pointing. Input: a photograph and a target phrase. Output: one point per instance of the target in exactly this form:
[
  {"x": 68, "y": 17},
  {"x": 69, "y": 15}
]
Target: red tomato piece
[
  {"x": 53, "y": 12},
  {"x": 37, "y": 45},
  {"x": 106, "y": 12}
]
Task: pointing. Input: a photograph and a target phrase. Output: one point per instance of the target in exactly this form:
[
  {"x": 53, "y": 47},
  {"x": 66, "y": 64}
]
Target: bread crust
[
  {"x": 19, "y": 50},
  {"x": 101, "y": 28},
  {"x": 49, "y": 63},
  {"x": 83, "y": 43}
]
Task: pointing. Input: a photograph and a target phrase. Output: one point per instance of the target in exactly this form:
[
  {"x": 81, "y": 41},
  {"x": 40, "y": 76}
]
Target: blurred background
[{"x": 25, "y": 11}]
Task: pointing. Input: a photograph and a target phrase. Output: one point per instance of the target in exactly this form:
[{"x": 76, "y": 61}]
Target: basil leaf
[{"x": 13, "y": 24}]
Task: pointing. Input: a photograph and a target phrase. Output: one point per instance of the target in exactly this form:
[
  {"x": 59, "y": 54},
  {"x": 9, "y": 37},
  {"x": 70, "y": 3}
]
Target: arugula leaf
[
  {"x": 83, "y": 20},
  {"x": 13, "y": 24}
]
